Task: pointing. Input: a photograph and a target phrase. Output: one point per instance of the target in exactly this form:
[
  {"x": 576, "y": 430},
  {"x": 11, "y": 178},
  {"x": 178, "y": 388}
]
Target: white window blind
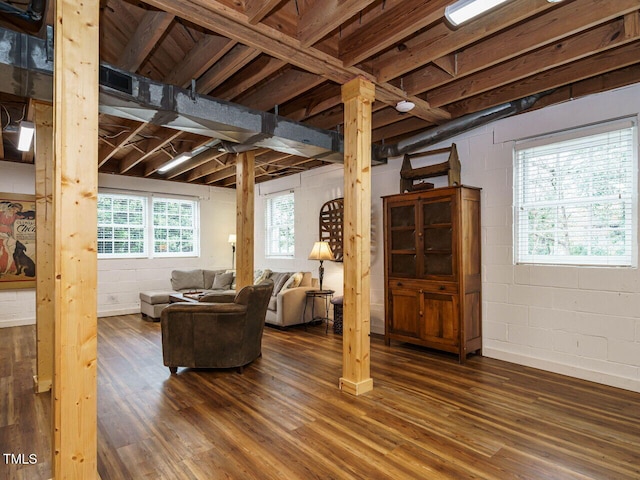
[
  {"x": 575, "y": 197},
  {"x": 174, "y": 227},
  {"x": 280, "y": 234},
  {"x": 121, "y": 226},
  {"x": 127, "y": 228}
]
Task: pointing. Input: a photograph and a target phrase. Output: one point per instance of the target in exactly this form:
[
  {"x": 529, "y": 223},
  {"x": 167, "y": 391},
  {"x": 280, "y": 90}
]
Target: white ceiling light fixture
[
  {"x": 183, "y": 157},
  {"x": 404, "y": 106},
  {"x": 464, "y": 10},
  {"x": 26, "y": 135}
]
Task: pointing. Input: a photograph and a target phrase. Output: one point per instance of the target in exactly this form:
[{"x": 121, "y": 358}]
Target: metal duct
[
  {"x": 454, "y": 127},
  {"x": 31, "y": 18}
]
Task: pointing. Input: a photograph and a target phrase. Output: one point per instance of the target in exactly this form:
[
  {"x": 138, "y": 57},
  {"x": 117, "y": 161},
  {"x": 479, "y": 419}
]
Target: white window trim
[
  {"x": 593, "y": 261},
  {"x": 149, "y": 240},
  {"x": 268, "y": 199}
]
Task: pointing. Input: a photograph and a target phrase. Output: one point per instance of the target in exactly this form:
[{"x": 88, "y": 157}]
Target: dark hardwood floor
[{"x": 284, "y": 418}]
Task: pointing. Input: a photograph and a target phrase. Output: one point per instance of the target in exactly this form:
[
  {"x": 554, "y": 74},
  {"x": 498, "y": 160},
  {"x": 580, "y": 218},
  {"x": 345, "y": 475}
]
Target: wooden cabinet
[{"x": 432, "y": 269}]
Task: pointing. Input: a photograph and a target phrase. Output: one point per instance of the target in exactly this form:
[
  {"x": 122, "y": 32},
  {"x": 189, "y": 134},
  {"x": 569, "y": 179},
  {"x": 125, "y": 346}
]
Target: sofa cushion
[
  {"x": 273, "y": 303},
  {"x": 187, "y": 279},
  {"x": 279, "y": 279},
  {"x": 209, "y": 277},
  {"x": 222, "y": 281},
  {"x": 155, "y": 296},
  {"x": 293, "y": 281},
  {"x": 233, "y": 282}
]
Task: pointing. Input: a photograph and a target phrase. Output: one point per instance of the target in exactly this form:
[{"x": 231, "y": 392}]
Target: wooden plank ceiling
[{"x": 292, "y": 56}]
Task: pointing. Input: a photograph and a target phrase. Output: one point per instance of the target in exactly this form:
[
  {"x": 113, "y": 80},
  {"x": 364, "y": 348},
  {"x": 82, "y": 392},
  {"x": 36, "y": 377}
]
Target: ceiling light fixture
[
  {"x": 26, "y": 135},
  {"x": 464, "y": 10},
  {"x": 404, "y": 106},
  {"x": 183, "y": 157}
]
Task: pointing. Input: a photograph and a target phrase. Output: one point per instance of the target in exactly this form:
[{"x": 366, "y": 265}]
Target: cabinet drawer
[{"x": 424, "y": 286}]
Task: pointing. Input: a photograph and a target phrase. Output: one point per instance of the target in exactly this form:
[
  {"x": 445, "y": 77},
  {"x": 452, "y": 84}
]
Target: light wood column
[
  {"x": 357, "y": 96},
  {"x": 75, "y": 213},
  {"x": 245, "y": 202},
  {"x": 45, "y": 293}
]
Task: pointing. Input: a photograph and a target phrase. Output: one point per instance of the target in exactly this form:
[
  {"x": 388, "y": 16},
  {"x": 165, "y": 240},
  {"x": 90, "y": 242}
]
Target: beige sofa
[{"x": 286, "y": 305}]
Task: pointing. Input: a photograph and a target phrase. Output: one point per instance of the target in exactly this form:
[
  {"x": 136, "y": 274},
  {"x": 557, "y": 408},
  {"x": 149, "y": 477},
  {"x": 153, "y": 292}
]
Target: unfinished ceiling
[{"x": 290, "y": 57}]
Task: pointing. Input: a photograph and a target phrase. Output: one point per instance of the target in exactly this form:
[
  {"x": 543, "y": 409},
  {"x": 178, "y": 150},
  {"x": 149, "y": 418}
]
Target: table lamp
[{"x": 321, "y": 251}]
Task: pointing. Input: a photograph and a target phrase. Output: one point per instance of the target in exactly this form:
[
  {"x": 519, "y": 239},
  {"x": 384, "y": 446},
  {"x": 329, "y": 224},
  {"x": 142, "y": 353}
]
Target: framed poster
[{"x": 17, "y": 241}]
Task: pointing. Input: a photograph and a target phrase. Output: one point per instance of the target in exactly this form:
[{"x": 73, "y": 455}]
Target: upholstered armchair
[{"x": 215, "y": 335}]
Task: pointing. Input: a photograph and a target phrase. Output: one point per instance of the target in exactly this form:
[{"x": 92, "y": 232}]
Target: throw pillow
[
  {"x": 233, "y": 282},
  {"x": 262, "y": 276},
  {"x": 187, "y": 279},
  {"x": 294, "y": 281},
  {"x": 279, "y": 279},
  {"x": 222, "y": 281}
]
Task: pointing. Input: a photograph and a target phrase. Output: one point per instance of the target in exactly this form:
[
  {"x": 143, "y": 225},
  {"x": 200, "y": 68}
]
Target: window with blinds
[
  {"x": 575, "y": 197},
  {"x": 126, "y": 227},
  {"x": 280, "y": 234},
  {"x": 174, "y": 227}
]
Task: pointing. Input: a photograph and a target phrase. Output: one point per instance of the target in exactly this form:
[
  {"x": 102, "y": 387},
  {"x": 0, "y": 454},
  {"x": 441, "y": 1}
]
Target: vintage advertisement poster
[{"x": 17, "y": 241}]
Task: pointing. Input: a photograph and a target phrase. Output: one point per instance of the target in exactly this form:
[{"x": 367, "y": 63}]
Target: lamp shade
[
  {"x": 232, "y": 238},
  {"x": 321, "y": 251}
]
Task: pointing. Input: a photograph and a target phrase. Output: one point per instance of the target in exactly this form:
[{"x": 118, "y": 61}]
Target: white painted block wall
[{"x": 578, "y": 321}]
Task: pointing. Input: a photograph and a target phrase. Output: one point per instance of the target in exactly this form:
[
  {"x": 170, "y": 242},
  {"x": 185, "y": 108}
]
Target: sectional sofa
[{"x": 286, "y": 305}]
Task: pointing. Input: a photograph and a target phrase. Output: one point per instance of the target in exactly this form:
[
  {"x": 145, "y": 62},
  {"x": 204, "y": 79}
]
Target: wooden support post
[
  {"x": 75, "y": 206},
  {"x": 357, "y": 96},
  {"x": 45, "y": 292},
  {"x": 245, "y": 182}
]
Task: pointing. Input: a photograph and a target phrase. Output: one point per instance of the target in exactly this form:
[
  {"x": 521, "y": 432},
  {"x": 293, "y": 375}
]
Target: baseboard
[
  {"x": 18, "y": 322},
  {"x": 116, "y": 312},
  {"x": 563, "y": 369}
]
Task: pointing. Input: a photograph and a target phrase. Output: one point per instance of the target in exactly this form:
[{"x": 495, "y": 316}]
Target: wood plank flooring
[{"x": 284, "y": 418}]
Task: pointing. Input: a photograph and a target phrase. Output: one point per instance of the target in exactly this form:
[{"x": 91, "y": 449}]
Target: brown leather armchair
[{"x": 215, "y": 335}]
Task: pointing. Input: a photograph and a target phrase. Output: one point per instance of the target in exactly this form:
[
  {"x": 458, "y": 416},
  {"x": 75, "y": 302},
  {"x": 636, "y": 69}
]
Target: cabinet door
[
  {"x": 405, "y": 312},
  {"x": 440, "y": 318},
  {"x": 401, "y": 230},
  {"x": 437, "y": 238}
]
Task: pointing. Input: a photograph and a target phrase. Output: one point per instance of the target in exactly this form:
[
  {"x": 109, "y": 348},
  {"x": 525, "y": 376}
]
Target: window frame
[
  {"x": 628, "y": 199},
  {"x": 148, "y": 199},
  {"x": 270, "y": 227}
]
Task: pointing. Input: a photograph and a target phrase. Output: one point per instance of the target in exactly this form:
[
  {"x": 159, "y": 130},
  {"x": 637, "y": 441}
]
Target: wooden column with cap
[
  {"x": 245, "y": 201},
  {"x": 357, "y": 96},
  {"x": 75, "y": 219}
]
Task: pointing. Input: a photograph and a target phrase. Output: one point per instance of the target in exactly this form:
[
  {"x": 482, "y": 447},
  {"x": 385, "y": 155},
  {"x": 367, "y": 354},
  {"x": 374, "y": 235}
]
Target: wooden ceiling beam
[
  {"x": 317, "y": 101},
  {"x": 129, "y": 129},
  {"x": 286, "y": 85},
  {"x": 256, "y": 10},
  {"x": 152, "y": 27},
  {"x": 321, "y": 18},
  {"x": 211, "y": 48},
  {"x": 226, "y": 21},
  {"x": 598, "y": 39},
  {"x": 389, "y": 28},
  {"x": 254, "y": 75},
  {"x": 590, "y": 67},
  {"x": 236, "y": 58},
  {"x": 440, "y": 40},
  {"x": 152, "y": 147}
]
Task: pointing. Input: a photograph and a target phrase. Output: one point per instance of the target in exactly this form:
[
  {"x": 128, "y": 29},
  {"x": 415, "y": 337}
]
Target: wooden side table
[{"x": 313, "y": 294}]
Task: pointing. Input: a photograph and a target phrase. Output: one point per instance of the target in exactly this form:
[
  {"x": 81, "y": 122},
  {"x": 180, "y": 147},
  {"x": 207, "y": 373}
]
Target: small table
[{"x": 313, "y": 294}]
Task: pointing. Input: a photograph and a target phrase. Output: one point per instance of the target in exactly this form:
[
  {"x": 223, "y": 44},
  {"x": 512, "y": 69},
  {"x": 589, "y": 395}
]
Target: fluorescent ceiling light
[
  {"x": 26, "y": 135},
  {"x": 183, "y": 157},
  {"x": 405, "y": 106},
  {"x": 464, "y": 10}
]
